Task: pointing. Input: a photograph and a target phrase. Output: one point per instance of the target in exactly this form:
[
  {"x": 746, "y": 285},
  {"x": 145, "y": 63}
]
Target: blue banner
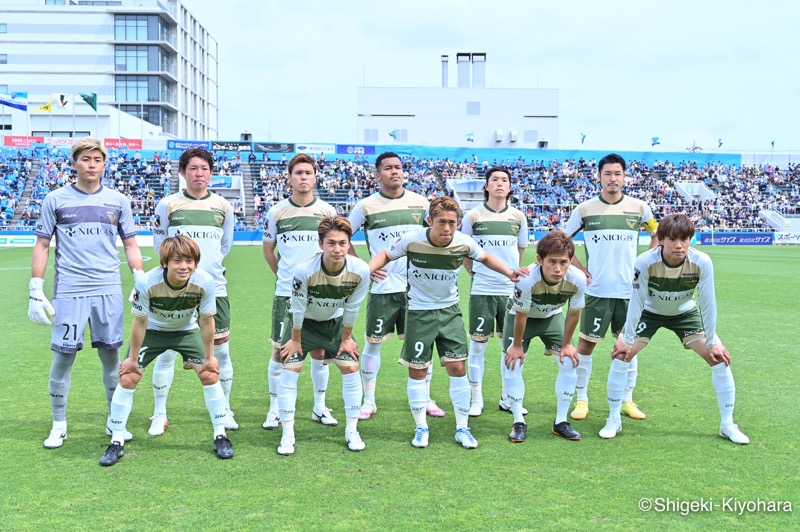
[
  {"x": 186, "y": 144},
  {"x": 220, "y": 181},
  {"x": 354, "y": 149},
  {"x": 16, "y": 100},
  {"x": 737, "y": 239}
]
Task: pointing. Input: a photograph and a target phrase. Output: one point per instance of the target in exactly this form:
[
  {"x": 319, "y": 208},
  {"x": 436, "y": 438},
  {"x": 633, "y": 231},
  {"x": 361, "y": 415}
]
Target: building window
[
  {"x": 3, "y": 59},
  {"x": 131, "y": 58},
  {"x": 370, "y": 135},
  {"x": 473, "y": 108},
  {"x": 3, "y": 28},
  {"x": 4, "y": 88},
  {"x": 55, "y": 2},
  {"x": 131, "y": 89}
]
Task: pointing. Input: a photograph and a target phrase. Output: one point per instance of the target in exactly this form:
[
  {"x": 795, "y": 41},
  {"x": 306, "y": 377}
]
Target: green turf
[{"x": 175, "y": 481}]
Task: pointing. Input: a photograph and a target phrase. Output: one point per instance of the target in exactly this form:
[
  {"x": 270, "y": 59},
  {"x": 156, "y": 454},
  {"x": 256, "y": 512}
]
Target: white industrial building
[
  {"x": 469, "y": 114},
  {"x": 147, "y": 59}
]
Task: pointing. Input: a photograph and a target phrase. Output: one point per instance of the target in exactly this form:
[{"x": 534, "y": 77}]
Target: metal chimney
[
  {"x": 479, "y": 71},
  {"x": 445, "y": 61},
  {"x": 463, "y": 66}
]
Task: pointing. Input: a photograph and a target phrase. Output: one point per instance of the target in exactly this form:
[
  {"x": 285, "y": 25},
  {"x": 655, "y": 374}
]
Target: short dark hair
[
  {"x": 555, "y": 242},
  {"x": 494, "y": 170},
  {"x": 386, "y": 155},
  {"x": 302, "y": 158},
  {"x": 334, "y": 223},
  {"x": 677, "y": 226},
  {"x": 611, "y": 158},
  {"x": 199, "y": 152}
]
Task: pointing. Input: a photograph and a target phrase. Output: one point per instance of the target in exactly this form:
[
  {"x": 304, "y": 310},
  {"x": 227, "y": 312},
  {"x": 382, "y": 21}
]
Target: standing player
[
  {"x": 165, "y": 301},
  {"x": 292, "y": 227},
  {"x": 610, "y": 223},
  {"x": 386, "y": 216},
  {"x": 434, "y": 316},
  {"x": 501, "y": 230},
  {"x": 327, "y": 291},
  {"x": 85, "y": 218},
  {"x": 537, "y": 307},
  {"x": 664, "y": 282},
  {"x": 207, "y": 219}
]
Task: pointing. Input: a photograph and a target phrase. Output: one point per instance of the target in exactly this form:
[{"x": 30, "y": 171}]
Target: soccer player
[
  {"x": 537, "y": 307},
  {"x": 435, "y": 256},
  {"x": 386, "y": 216},
  {"x": 85, "y": 217},
  {"x": 501, "y": 230},
  {"x": 327, "y": 291},
  {"x": 164, "y": 304},
  {"x": 207, "y": 219},
  {"x": 610, "y": 223},
  {"x": 291, "y": 227},
  {"x": 664, "y": 283}
]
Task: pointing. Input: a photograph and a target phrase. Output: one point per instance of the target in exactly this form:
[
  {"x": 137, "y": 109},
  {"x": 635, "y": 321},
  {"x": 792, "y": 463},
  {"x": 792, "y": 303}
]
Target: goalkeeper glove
[{"x": 39, "y": 307}]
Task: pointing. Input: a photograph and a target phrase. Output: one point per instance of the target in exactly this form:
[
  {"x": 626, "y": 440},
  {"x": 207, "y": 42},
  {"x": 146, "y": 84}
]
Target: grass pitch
[{"x": 176, "y": 482}]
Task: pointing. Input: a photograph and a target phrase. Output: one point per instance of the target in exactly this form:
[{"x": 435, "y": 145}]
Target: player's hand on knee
[
  {"x": 210, "y": 364},
  {"x": 349, "y": 346},
  {"x": 621, "y": 350},
  {"x": 38, "y": 305},
  {"x": 513, "y": 354},
  {"x": 569, "y": 351},
  {"x": 718, "y": 354},
  {"x": 289, "y": 348},
  {"x": 129, "y": 365}
]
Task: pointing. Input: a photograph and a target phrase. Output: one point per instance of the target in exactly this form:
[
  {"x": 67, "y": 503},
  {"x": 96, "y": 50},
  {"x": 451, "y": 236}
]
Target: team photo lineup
[{"x": 407, "y": 289}]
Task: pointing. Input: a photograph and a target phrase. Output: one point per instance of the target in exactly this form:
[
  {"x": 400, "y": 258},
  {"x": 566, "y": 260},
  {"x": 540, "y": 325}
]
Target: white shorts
[{"x": 103, "y": 313}]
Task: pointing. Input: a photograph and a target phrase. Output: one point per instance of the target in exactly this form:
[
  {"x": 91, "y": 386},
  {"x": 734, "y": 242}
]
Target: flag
[
  {"x": 655, "y": 141},
  {"x": 470, "y": 137},
  {"x": 719, "y": 142},
  {"x": 583, "y": 137},
  {"x": 91, "y": 99},
  {"x": 47, "y": 108},
  {"x": 393, "y": 134},
  {"x": 62, "y": 100},
  {"x": 17, "y": 100}
]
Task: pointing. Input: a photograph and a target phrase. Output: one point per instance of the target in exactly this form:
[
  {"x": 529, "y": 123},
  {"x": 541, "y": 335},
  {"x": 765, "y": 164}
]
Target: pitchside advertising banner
[
  {"x": 787, "y": 238},
  {"x": 186, "y": 144},
  {"x": 133, "y": 144},
  {"x": 231, "y": 146},
  {"x": 21, "y": 142},
  {"x": 737, "y": 239},
  {"x": 316, "y": 148},
  {"x": 274, "y": 147},
  {"x": 354, "y": 149}
]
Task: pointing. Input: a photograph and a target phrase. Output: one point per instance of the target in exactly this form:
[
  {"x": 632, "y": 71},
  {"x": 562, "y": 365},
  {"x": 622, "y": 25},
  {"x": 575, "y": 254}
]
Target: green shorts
[
  {"x": 326, "y": 335},
  {"x": 549, "y": 330},
  {"x": 599, "y": 313},
  {"x": 386, "y": 313},
  {"x": 222, "y": 320},
  {"x": 189, "y": 344},
  {"x": 281, "y": 319},
  {"x": 688, "y": 326},
  {"x": 444, "y": 327},
  {"x": 486, "y": 315}
]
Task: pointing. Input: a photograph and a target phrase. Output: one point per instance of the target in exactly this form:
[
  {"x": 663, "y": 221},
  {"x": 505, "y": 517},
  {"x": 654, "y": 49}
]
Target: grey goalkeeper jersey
[{"x": 86, "y": 227}]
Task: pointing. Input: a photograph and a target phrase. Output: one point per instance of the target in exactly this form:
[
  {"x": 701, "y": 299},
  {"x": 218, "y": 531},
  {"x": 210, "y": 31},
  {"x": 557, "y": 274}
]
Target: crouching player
[
  {"x": 535, "y": 312},
  {"x": 164, "y": 304},
  {"x": 435, "y": 256},
  {"x": 664, "y": 282},
  {"x": 327, "y": 291}
]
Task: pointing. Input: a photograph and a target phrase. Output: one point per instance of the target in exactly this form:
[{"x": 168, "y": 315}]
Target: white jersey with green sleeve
[
  {"x": 293, "y": 229},
  {"x": 169, "y": 308},
  {"x": 664, "y": 290},
  {"x": 540, "y": 299},
  {"x": 384, "y": 220},
  {"x": 208, "y": 221},
  {"x": 433, "y": 270},
  {"x": 501, "y": 233},
  {"x": 321, "y": 295},
  {"x": 611, "y": 237}
]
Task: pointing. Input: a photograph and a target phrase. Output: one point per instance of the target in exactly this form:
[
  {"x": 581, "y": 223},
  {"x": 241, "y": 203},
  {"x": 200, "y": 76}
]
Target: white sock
[
  {"x": 351, "y": 393},
  {"x": 477, "y": 350},
  {"x": 428, "y": 377},
  {"x": 121, "y": 404},
  {"x": 287, "y": 395},
  {"x": 163, "y": 373},
  {"x": 223, "y": 355},
  {"x": 287, "y": 428},
  {"x": 515, "y": 390},
  {"x": 319, "y": 378},
  {"x": 503, "y": 370},
  {"x": 617, "y": 377},
  {"x": 370, "y": 365},
  {"x": 460, "y": 396},
  {"x": 565, "y": 388},
  {"x": 273, "y": 378},
  {"x": 633, "y": 373},
  {"x": 584, "y": 373},
  {"x": 417, "y": 399},
  {"x": 722, "y": 379},
  {"x": 215, "y": 403}
]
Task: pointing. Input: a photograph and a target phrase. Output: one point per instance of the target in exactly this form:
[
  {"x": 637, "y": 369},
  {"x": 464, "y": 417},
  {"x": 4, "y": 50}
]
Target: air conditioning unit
[
  {"x": 498, "y": 135},
  {"x": 513, "y": 136}
]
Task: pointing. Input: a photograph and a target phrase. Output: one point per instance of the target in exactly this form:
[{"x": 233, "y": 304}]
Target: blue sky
[{"x": 684, "y": 71}]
